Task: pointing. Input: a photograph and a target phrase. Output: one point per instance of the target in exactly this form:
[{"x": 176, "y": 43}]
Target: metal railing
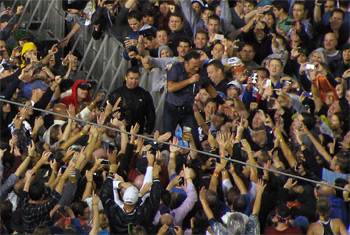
[{"x": 101, "y": 59}]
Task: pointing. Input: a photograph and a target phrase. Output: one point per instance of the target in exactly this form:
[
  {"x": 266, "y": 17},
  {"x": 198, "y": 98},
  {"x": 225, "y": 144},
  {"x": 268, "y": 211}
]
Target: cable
[{"x": 183, "y": 147}]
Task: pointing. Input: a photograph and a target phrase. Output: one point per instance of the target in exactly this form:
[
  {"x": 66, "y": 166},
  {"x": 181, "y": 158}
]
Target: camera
[{"x": 290, "y": 22}]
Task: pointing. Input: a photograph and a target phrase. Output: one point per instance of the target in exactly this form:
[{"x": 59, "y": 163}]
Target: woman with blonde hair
[{"x": 324, "y": 225}]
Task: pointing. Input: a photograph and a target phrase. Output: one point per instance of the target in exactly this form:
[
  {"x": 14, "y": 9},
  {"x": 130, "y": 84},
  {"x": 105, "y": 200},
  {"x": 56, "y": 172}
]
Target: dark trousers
[{"x": 182, "y": 115}]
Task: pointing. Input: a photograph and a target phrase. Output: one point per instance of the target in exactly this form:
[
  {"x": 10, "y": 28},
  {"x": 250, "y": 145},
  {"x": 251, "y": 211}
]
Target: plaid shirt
[{"x": 38, "y": 214}]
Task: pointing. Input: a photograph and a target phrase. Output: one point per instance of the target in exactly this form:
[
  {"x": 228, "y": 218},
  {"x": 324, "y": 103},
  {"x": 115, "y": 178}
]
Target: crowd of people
[{"x": 243, "y": 96}]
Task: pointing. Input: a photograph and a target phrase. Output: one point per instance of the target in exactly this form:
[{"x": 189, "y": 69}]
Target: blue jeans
[{"x": 172, "y": 115}]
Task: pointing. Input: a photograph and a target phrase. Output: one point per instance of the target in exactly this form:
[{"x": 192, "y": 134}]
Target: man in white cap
[{"x": 129, "y": 211}]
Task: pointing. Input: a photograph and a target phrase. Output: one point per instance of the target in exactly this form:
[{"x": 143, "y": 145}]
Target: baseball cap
[
  {"x": 199, "y": 1},
  {"x": 84, "y": 86},
  {"x": 5, "y": 66},
  {"x": 39, "y": 84},
  {"x": 131, "y": 195},
  {"x": 235, "y": 84}
]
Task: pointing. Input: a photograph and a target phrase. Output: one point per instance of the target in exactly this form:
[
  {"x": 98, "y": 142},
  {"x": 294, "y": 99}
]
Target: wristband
[
  {"x": 222, "y": 154},
  {"x": 216, "y": 173},
  {"x": 95, "y": 204}
]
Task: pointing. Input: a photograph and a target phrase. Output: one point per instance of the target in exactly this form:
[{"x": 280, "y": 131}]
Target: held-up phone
[
  {"x": 63, "y": 169},
  {"x": 290, "y": 22},
  {"x": 254, "y": 78},
  {"x": 268, "y": 83},
  {"x": 310, "y": 66},
  {"x": 105, "y": 162},
  {"x": 219, "y": 37},
  {"x": 182, "y": 181},
  {"x": 307, "y": 94}
]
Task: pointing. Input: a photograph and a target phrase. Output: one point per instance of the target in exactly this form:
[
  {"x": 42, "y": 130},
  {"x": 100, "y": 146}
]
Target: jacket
[
  {"x": 72, "y": 99},
  {"x": 119, "y": 220},
  {"x": 136, "y": 106}
]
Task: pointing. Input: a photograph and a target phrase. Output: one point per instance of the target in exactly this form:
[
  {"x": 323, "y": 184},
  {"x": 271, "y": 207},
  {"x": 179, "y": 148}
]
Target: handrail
[{"x": 183, "y": 147}]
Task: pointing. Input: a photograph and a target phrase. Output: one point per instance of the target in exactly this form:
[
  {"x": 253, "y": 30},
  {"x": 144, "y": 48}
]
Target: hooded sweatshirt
[{"x": 72, "y": 99}]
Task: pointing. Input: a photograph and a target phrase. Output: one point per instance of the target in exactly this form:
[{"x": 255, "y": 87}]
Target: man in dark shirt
[
  {"x": 136, "y": 104},
  {"x": 216, "y": 74},
  {"x": 184, "y": 81}
]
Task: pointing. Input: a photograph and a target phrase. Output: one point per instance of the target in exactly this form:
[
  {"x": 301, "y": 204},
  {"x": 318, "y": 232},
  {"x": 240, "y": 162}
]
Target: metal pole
[
  {"x": 24, "y": 10},
  {"x": 45, "y": 16},
  {"x": 97, "y": 56},
  {"x": 106, "y": 69},
  {"x": 77, "y": 40},
  {"x": 33, "y": 14},
  {"x": 85, "y": 55},
  {"x": 114, "y": 79}
]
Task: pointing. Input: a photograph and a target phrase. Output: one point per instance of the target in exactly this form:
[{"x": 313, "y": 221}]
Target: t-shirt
[{"x": 290, "y": 230}]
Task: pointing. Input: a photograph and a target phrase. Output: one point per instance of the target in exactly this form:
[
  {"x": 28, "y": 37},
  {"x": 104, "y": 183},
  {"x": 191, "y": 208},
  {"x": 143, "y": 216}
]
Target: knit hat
[
  {"x": 165, "y": 47},
  {"x": 131, "y": 195}
]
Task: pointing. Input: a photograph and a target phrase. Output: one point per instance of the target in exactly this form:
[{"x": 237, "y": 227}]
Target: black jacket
[
  {"x": 143, "y": 214},
  {"x": 136, "y": 106},
  {"x": 116, "y": 26}
]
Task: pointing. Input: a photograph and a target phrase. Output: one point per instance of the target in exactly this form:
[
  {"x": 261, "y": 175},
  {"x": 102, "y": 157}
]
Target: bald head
[
  {"x": 60, "y": 109},
  {"x": 166, "y": 219},
  {"x": 325, "y": 191},
  {"x": 330, "y": 42},
  {"x": 139, "y": 181}
]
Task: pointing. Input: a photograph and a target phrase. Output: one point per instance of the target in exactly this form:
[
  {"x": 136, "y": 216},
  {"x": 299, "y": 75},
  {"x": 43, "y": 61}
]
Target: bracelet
[
  {"x": 81, "y": 133},
  {"x": 94, "y": 204},
  {"x": 89, "y": 181},
  {"x": 223, "y": 154},
  {"x": 205, "y": 203},
  {"x": 216, "y": 174},
  {"x": 55, "y": 172},
  {"x": 172, "y": 152},
  {"x": 93, "y": 103}
]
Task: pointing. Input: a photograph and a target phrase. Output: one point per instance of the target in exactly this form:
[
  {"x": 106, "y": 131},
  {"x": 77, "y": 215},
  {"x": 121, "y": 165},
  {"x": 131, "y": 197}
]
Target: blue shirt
[{"x": 184, "y": 96}]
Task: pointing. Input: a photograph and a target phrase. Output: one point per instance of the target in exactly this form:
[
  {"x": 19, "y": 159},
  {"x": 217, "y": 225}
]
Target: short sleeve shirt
[{"x": 184, "y": 96}]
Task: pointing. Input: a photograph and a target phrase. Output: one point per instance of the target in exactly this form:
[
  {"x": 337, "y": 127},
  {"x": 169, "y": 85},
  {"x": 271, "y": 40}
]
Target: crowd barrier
[{"x": 167, "y": 143}]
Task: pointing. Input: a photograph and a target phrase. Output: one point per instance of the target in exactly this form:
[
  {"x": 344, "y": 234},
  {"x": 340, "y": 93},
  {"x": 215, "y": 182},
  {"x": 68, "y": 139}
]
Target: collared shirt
[
  {"x": 36, "y": 214},
  {"x": 184, "y": 96}
]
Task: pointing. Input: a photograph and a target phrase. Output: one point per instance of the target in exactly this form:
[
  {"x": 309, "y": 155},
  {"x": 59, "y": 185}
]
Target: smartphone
[
  {"x": 268, "y": 83},
  {"x": 219, "y": 37},
  {"x": 310, "y": 66},
  {"x": 105, "y": 162},
  {"x": 75, "y": 147},
  {"x": 287, "y": 83},
  {"x": 111, "y": 148},
  {"x": 51, "y": 158},
  {"x": 63, "y": 169},
  {"x": 254, "y": 78},
  {"x": 307, "y": 94},
  {"x": 182, "y": 181},
  {"x": 228, "y": 166}
]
